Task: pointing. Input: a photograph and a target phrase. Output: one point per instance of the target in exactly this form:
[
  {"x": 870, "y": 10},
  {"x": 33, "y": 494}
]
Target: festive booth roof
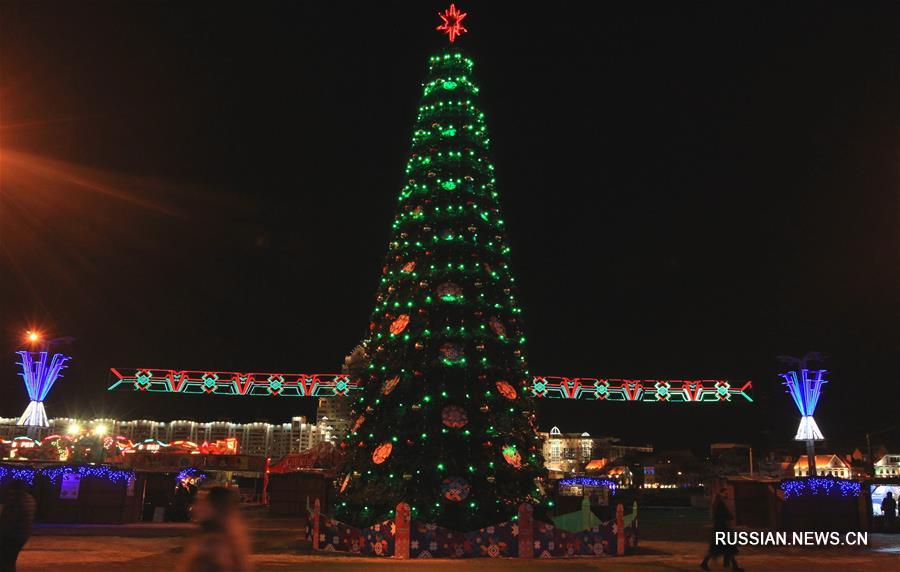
[
  {"x": 824, "y": 461},
  {"x": 596, "y": 465}
]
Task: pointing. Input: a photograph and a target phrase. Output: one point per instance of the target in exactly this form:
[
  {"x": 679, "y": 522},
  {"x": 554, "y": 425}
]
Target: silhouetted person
[
  {"x": 889, "y": 510},
  {"x": 192, "y": 498},
  {"x": 721, "y": 518},
  {"x": 181, "y": 504},
  {"x": 222, "y": 545},
  {"x": 16, "y": 521}
]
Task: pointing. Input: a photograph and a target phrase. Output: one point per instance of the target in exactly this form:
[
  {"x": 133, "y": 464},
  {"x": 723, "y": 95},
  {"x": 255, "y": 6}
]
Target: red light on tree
[{"x": 452, "y": 25}]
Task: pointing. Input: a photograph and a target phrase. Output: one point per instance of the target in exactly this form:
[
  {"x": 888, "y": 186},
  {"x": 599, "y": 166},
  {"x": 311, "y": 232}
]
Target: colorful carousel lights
[
  {"x": 820, "y": 486},
  {"x": 190, "y": 474}
]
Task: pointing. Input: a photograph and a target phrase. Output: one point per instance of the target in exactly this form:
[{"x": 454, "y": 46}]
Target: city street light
[{"x": 38, "y": 342}]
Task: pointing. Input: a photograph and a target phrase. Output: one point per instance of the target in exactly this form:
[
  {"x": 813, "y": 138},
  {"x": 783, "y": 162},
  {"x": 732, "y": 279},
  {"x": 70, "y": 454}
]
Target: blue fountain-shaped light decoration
[
  {"x": 806, "y": 390},
  {"x": 39, "y": 376}
]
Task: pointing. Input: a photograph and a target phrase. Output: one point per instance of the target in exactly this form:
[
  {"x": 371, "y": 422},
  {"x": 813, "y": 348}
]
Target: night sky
[{"x": 690, "y": 190}]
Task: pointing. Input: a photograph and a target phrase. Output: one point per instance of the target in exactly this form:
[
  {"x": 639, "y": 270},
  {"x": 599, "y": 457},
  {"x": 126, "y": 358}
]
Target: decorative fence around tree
[{"x": 523, "y": 537}]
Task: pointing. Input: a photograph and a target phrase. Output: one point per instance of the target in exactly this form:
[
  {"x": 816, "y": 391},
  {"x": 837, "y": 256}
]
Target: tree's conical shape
[{"x": 446, "y": 422}]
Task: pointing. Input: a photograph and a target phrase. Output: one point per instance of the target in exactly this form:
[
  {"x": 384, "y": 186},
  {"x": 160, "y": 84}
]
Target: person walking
[
  {"x": 16, "y": 521},
  {"x": 223, "y": 544},
  {"x": 721, "y": 518}
]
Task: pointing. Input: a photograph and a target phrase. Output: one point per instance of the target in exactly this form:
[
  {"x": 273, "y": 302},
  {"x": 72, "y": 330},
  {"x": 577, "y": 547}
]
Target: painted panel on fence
[{"x": 502, "y": 540}]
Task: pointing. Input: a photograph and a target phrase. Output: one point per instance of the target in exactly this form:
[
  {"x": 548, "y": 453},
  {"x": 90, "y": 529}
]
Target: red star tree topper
[{"x": 452, "y": 25}]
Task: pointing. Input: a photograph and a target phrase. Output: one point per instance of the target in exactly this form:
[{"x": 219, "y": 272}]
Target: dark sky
[{"x": 691, "y": 189}]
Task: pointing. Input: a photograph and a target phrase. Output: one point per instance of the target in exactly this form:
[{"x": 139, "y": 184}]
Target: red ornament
[
  {"x": 390, "y": 384},
  {"x": 455, "y": 488},
  {"x": 409, "y": 266},
  {"x": 452, "y": 352},
  {"x": 497, "y": 326},
  {"x": 345, "y": 483},
  {"x": 398, "y": 325},
  {"x": 507, "y": 390},
  {"x": 512, "y": 456},
  {"x": 382, "y": 452},
  {"x": 448, "y": 291},
  {"x": 452, "y": 22},
  {"x": 358, "y": 423},
  {"x": 454, "y": 416}
]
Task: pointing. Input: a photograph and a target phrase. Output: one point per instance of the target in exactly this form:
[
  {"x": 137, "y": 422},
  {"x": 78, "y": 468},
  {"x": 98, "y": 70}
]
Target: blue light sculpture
[
  {"x": 806, "y": 390},
  {"x": 39, "y": 376}
]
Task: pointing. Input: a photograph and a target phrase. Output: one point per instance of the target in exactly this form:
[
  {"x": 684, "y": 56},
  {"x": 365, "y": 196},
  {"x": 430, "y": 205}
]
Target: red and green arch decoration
[{"x": 239, "y": 384}]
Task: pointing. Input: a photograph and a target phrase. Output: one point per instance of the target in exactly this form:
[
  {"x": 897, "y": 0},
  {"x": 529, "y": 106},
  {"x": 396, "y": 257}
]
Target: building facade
[
  {"x": 572, "y": 453},
  {"x": 333, "y": 416},
  {"x": 888, "y": 466}
]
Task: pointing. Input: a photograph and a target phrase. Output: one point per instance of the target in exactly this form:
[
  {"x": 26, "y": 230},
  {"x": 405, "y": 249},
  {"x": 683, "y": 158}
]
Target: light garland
[
  {"x": 25, "y": 474},
  {"x": 54, "y": 474},
  {"x": 820, "y": 486},
  {"x": 589, "y": 482}
]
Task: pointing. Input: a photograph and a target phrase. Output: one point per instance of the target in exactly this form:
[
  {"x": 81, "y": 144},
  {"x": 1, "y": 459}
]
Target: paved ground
[
  {"x": 671, "y": 541},
  {"x": 90, "y": 553}
]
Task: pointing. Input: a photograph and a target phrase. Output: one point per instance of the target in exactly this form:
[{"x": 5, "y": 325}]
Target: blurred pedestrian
[
  {"x": 721, "y": 518},
  {"x": 222, "y": 544},
  {"x": 16, "y": 521}
]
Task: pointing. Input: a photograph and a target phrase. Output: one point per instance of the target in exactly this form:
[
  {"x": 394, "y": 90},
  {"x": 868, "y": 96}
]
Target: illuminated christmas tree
[{"x": 446, "y": 423}]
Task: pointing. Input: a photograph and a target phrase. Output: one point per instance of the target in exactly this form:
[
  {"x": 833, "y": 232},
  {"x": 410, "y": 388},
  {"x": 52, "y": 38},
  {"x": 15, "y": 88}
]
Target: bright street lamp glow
[
  {"x": 74, "y": 429},
  {"x": 100, "y": 429},
  {"x": 33, "y": 336}
]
